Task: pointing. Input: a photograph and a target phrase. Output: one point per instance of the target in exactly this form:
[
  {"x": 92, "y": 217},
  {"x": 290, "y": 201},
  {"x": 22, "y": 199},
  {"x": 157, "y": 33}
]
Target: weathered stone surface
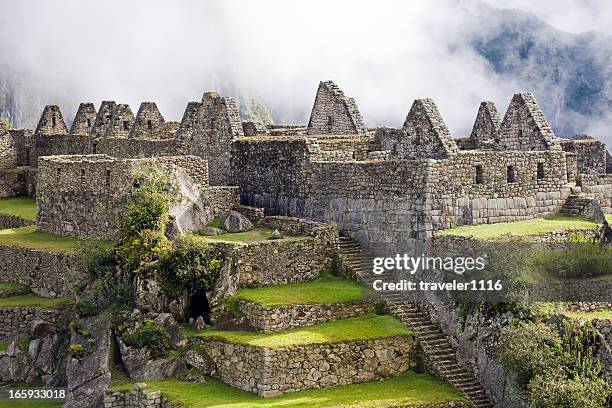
[
  {"x": 333, "y": 113},
  {"x": 141, "y": 366},
  {"x": 235, "y": 222}
]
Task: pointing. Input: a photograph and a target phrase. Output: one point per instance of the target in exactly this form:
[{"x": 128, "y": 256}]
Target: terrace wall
[
  {"x": 277, "y": 318},
  {"x": 600, "y": 188},
  {"x": 269, "y": 372},
  {"x": 16, "y": 322},
  {"x": 48, "y": 274}
]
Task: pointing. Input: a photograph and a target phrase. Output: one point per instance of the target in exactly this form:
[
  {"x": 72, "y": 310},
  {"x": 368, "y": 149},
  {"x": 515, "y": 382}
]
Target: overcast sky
[{"x": 383, "y": 53}]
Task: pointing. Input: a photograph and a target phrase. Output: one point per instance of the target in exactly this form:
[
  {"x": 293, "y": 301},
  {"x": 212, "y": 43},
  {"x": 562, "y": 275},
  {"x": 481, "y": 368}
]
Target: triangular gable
[
  {"x": 122, "y": 121},
  {"x": 83, "y": 120},
  {"x": 426, "y": 133},
  {"x": 51, "y": 122},
  {"x": 525, "y": 127},
  {"x": 486, "y": 126},
  {"x": 334, "y": 113},
  {"x": 103, "y": 118},
  {"x": 149, "y": 121}
]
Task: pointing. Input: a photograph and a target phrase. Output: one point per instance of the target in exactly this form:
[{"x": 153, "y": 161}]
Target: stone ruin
[{"x": 385, "y": 187}]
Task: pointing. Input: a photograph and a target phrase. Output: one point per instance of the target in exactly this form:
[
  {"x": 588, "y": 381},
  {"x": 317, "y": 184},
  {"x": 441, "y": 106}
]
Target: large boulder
[
  {"x": 233, "y": 221},
  {"x": 140, "y": 366}
]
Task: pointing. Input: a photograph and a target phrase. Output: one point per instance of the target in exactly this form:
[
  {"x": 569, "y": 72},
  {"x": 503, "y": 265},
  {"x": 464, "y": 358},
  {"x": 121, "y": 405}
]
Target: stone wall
[
  {"x": 47, "y": 274},
  {"x": 590, "y": 155},
  {"x": 139, "y": 397},
  {"x": 11, "y": 221},
  {"x": 269, "y": 372},
  {"x": 269, "y": 319},
  {"x": 8, "y": 153},
  {"x": 276, "y": 262},
  {"x": 17, "y": 182},
  {"x": 16, "y": 322},
  {"x": 600, "y": 188},
  {"x": 51, "y": 122},
  {"x": 87, "y": 195}
]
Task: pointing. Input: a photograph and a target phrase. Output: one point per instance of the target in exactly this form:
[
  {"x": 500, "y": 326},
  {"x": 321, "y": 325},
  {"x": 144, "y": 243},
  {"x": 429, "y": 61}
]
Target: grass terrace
[
  {"x": 29, "y": 237},
  {"x": 31, "y": 300},
  {"x": 325, "y": 290},
  {"x": 598, "y": 314},
  {"x": 536, "y": 226},
  {"x": 362, "y": 328},
  {"x": 407, "y": 389},
  {"x": 23, "y": 207},
  {"x": 24, "y": 343}
]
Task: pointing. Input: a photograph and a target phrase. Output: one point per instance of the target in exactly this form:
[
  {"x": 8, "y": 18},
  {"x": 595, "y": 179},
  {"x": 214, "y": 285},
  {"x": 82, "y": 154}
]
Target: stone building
[{"x": 386, "y": 187}]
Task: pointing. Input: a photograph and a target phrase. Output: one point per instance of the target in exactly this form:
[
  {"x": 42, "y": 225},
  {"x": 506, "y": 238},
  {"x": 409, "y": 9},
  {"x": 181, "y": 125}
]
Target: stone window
[
  {"x": 53, "y": 121},
  {"x": 479, "y": 174},
  {"x": 510, "y": 174},
  {"x": 126, "y": 125},
  {"x": 330, "y": 123},
  {"x": 149, "y": 125},
  {"x": 520, "y": 133},
  {"x": 108, "y": 178},
  {"x": 95, "y": 148},
  {"x": 213, "y": 122},
  {"x": 88, "y": 122},
  {"x": 540, "y": 172},
  {"x": 417, "y": 140},
  {"x": 58, "y": 174},
  {"x": 82, "y": 175}
]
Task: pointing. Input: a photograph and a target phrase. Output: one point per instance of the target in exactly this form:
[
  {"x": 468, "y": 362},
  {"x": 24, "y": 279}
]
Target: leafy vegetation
[
  {"x": 187, "y": 263},
  {"x": 548, "y": 224},
  {"x": 554, "y": 370},
  {"x": 12, "y": 289},
  {"x": 327, "y": 290},
  {"x": 31, "y": 300},
  {"x": 361, "y": 328},
  {"x": 578, "y": 260},
  {"x": 23, "y": 207},
  {"x": 6, "y": 124},
  {"x": 24, "y": 343},
  {"x": 151, "y": 335},
  {"x": 28, "y": 237},
  {"x": 407, "y": 389},
  {"x": 76, "y": 350}
]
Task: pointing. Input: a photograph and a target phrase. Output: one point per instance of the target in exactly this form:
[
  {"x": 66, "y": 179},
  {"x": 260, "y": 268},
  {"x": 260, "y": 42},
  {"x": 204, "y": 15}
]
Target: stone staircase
[
  {"x": 575, "y": 205},
  {"x": 435, "y": 344}
]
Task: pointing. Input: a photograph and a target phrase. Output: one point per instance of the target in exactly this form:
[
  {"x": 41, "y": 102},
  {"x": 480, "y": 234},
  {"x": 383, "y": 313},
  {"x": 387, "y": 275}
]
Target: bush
[
  {"x": 188, "y": 263},
  {"x": 77, "y": 351},
  {"x": 140, "y": 254},
  {"x": 551, "y": 390},
  {"x": 6, "y": 124},
  {"x": 151, "y": 335},
  {"x": 528, "y": 349}
]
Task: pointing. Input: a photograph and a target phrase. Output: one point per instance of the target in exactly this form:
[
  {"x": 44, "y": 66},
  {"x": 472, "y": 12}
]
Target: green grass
[
  {"x": 258, "y": 234},
  {"x": 23, "y": 207},
  {"x": 24, "y": 343},
  {"x": 599, "y": 314},
  {"x": 548, "y": 224},
  {"x": 609, "y": 218},
  {"x": 407, "y": 389},
  {"x": 362, "y": 328},
  {"x": 328, "y": 290},
  {"x": 34, "y": 301},
  {"x": 12, "y": 289},
  {"x": 28, "y": 237},
  {"x": 215, "y": 223}
]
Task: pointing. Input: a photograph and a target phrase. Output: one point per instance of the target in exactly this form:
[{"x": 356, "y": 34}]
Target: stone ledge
[
  {"x": 12, "y": 221},
  {"x": 277, "y": 318}
]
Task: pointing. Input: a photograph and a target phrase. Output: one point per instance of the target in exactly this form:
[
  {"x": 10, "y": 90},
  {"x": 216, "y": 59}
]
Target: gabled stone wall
[
  {"x": 51, "y": 122},
  {"x": 83, "y": 120},
  {"x": 333, "y": 113},
  {"x": 590, "y": 155}
]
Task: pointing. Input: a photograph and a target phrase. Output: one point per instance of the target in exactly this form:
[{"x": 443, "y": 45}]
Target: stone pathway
[{"x": 435, "y": 344}]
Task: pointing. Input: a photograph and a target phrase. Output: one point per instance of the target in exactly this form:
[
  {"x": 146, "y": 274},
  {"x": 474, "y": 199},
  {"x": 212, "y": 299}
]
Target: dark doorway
[{"x": 198, "y": 306}]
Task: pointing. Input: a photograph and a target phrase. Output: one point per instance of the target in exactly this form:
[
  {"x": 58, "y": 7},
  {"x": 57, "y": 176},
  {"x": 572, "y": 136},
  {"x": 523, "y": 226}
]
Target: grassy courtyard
[
  {"x": 12, "y": 289},
  {"x": 536, "y": 226},
  {"x": 31, "y": 300},
  {"x": 23, "y": 207},
  {"x": 327, "y": 290},
  {"x": 339, "y": 331},
  {"x": 28, "y": 237},
  {"x": 407, "y": 389}
]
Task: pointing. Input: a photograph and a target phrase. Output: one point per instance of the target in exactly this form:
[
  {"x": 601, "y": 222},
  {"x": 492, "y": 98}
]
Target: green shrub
[
  {"x": 76, "y": 350},
  {"x": 580, "y": 260},
  {"x": 151, "y": 335},
  {"x": 528, "y": 349},
  {"x": 380, "y": 308},
  {"x": 140, "y": 253},
  {"x": 7, "y": 124},
  {"x": 188, "y": 263},
  {"x": 551, "y": 390}
]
